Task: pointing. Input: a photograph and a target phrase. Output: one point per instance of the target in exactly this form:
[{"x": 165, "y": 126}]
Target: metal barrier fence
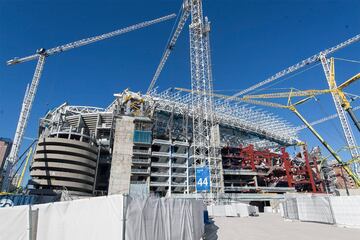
[{"x": 339, "y": 210}]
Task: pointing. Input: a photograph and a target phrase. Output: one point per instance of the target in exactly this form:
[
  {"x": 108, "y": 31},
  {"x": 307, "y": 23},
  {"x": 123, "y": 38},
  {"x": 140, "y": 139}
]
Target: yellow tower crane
[
  {"x": 291, "y": 107},
  {"x": 345, "y": 104}
]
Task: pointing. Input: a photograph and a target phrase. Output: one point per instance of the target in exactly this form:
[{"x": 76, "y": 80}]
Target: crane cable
[
  {"x": 22, "y": 162},
  {"x": 171, "y": 34},
  {"x": 347, "y": 60},
  {"x": 337, "y": 130},
  {"x": 282, "y": 80}
]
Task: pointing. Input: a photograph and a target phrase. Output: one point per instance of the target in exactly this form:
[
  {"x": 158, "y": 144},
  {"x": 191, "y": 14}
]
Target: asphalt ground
[{"x": 269, "y": 226}]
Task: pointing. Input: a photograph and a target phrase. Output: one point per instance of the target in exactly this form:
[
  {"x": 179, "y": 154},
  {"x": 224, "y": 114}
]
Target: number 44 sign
[{"x": 202, "y": 179}]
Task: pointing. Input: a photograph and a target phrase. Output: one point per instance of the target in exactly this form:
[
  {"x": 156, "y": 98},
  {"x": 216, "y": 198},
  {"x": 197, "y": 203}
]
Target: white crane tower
[
  {"x": 204, "y": 149},
  {"x": 349, "y": 136},
  {"x": 350, "y": 139},
  {"x": 40, "y": 55}
]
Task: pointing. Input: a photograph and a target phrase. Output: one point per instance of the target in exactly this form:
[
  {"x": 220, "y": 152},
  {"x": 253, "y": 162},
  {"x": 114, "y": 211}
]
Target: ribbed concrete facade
[{"x": 64, "y": 164}]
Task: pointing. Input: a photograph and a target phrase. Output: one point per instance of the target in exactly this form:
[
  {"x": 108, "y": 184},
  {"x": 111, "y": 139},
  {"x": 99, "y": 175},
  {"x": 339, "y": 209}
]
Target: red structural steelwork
[{"x": 248, "y": 168}]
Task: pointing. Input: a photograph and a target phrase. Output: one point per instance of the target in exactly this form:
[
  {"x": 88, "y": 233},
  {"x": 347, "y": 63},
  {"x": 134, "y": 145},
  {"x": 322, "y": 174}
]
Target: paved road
[{"x": 273, "y": 227}]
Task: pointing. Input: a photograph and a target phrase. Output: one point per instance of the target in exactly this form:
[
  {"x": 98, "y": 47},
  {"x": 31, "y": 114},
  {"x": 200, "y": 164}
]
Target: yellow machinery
[
  {"x": 345, "y": 104},
  {"x": 297, "y": 113},
  {"x": 24, "y": 168}
]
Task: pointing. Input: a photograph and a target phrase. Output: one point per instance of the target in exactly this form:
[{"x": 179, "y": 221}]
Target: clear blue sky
[{"x": 250, "y": 41}]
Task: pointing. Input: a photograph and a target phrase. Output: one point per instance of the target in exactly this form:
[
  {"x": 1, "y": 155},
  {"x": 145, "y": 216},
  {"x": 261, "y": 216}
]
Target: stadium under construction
[
  {"x": 154, "y": 143},
  {"x": 141, "y": 144}
]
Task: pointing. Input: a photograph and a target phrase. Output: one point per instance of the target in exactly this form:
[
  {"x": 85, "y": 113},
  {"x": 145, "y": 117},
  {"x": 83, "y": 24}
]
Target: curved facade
[{"x": 64, "y": 164}]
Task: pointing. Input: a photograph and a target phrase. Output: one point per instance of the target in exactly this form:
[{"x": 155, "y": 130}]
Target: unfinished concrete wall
[
  {"x": 120, "y": 172},
  {"x": 217, "y": 161}
]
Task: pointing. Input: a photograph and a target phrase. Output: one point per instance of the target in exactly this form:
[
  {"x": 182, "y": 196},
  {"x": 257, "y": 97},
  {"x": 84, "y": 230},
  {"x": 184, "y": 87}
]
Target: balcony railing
[
  {"x": 178, "y": 174},
  {"x": 141, "y": 151},
  {"x": 159, "y": 164},
  {"x": 143, "y": 161},
  {"x": 159, "y": 184},
  {"x": 140, "y": 171},
  {"x": 159, "y": 174}
]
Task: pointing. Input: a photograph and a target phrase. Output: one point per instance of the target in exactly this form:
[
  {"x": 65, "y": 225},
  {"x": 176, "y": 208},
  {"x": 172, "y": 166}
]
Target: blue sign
[{"x": 202, "y": 177}]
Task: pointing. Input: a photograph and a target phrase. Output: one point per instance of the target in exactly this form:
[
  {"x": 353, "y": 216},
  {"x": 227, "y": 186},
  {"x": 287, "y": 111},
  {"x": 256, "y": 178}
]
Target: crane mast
[
  {"x": 203, "y": 121},
  {"x": 349, "y": 136},
  {"x": 40, "y": 55},
  {"x": 170, "y": 46},
  {"x": 23, "y": 119}
]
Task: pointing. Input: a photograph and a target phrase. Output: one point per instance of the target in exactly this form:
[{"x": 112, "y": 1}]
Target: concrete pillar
[
  {"x": 216, "y": 143},
  {"x": 120, "y": 172}
]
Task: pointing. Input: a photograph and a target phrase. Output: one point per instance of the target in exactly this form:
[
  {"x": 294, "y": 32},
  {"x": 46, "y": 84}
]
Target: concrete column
[
  {"x": 120, "y": 172},
  {"x": 216, "y": 142}
]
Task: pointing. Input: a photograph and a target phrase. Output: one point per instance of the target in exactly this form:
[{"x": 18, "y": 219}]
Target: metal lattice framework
[
  {"x": 349, "y": 136},
  {"x": 203, "y": 148},
  {"x": 41, "y": 55},
  {"x": 170, "y": 46},
  {"x": 202, "y": 104},
  {"x": 270, "y": 128}
]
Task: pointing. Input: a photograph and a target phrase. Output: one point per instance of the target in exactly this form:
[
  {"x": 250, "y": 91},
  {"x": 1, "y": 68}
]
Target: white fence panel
[
  {"x": 14, "y": 223},
  {"x": 346, "y": 210},
  {"x": 281, "y": 209},
  {"x": 291, "y": 209},
  {"x": 164, "y": 219},
  {"x": 314, "y": 209},
  {"x": 84, "y": 219}
]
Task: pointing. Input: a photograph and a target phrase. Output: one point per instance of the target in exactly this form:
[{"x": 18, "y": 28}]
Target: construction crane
[
  {"x": 345, "y": 104},
  {"x": 205, "y": 152},
  {"x": 291, "y": 107},
  {"x": 301, "y": 127},
  {"x": 40, "y": 55},
  {"x": 339, "y": 98},
  {"x": 204, "y": 149},
  {"x": 297, "y": 66},
  {"x": 24, "y": 168},
  {"x": 185, "y": 12},
  {"x": 329, "y": 71}
]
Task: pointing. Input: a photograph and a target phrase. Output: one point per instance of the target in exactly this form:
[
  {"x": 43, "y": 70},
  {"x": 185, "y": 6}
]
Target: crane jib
[{"x": 90, "y": 40}]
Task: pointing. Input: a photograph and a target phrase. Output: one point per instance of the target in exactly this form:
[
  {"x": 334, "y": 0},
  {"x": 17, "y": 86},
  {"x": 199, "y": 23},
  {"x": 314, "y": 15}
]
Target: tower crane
[
  {"x": 291, "y": 107},
  {"x": 41, "y": 55},
  {"x": 338, "y": 98},
  {"x": 345, "y": 104},
  {"x": 205, "y": 153},
  {"x": 299, "y": 65},
  {"x": 185, "y": 12}
]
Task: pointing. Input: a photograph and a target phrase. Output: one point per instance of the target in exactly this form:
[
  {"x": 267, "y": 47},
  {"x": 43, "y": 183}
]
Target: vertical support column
[
  {"x": 252, "y": 156},
  {"x": 287, "y": 165},
  {"x": 216, "y": 169},
  {"x": 120, "y": 171},
  {"x": 318, "y": 176},
  {"x": 308, "y": 169}
]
